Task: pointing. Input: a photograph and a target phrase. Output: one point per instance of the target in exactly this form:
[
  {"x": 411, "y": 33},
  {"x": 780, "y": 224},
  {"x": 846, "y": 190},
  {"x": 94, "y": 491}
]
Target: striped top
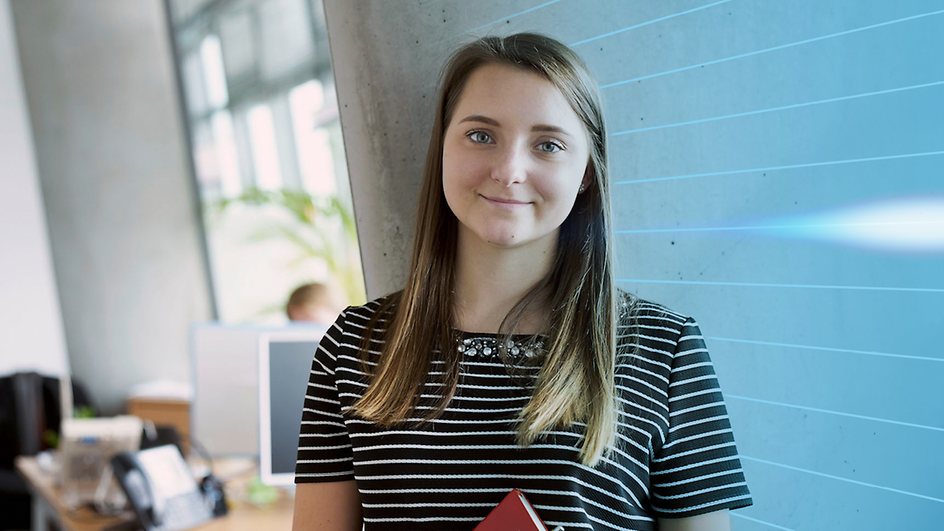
[{"x": 675, "y": 456}]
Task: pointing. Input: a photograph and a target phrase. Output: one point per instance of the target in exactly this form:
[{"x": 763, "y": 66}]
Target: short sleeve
[
  {"x": 697, "y": 470},
  {"x": 324, "y": 447}
]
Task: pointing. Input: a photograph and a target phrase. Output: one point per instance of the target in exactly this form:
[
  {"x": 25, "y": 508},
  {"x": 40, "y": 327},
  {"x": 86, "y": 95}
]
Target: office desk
[{"x": 48, "y": 507}]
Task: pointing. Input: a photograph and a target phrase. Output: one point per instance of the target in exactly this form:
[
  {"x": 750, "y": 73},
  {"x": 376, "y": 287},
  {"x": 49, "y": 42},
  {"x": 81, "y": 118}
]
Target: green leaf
[{"x": 310, "y": 215}]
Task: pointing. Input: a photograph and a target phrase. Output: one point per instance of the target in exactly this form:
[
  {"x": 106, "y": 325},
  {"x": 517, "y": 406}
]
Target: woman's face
[{"x": 514, "y": 157}]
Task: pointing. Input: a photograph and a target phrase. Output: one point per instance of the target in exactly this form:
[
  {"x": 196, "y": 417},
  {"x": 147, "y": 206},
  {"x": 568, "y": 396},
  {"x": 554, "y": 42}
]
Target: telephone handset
[
  {"x": 161, "y": 489},
  {"x": 133, "y": 479}
]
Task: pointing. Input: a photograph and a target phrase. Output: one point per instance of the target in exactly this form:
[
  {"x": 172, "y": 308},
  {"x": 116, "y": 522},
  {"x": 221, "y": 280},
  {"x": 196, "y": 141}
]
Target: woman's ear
[{"x": 587, "y": 179}]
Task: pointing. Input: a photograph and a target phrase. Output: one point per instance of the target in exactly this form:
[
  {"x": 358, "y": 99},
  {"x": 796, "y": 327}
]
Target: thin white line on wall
[
  {"x": 831, "y": 412},
  {"x": 653, "y": 21},
  {"x": 840, "y": 478},
  {"x": 776, "y": 227},
  {"x": 785, "y": 107},
  {"x": 787, "y": 167},
  {"x": 767, "y": 285},
  {"x": 826, "y": 349},
  {"x": 765, "y": 50}
]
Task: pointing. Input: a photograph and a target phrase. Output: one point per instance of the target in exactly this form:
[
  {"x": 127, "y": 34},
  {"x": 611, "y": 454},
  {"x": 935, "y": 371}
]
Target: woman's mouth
[{"x": 506, "y": 203}]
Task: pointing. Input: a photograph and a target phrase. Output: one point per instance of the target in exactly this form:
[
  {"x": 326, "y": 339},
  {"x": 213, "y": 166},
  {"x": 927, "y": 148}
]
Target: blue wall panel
[
  {"x": 834, "y": 385},
  {"x": 831, "y": 355}
]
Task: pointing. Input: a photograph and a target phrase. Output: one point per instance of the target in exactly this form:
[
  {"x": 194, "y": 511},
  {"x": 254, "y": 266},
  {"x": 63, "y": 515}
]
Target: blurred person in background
[{"x": 313, "y": 302}]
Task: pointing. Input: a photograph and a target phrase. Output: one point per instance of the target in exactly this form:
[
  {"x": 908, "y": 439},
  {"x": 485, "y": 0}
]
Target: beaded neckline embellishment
[{"x": 486, "y": 348}]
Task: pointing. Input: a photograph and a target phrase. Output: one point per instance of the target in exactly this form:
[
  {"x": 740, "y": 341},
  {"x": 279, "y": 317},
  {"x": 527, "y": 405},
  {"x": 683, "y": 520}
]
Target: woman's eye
[
  {"x": 549, "y": 147},
  {"x": 479, "y": 137}
]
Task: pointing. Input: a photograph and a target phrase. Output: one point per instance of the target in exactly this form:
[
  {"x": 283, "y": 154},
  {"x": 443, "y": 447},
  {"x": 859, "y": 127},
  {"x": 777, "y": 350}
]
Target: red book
[{"x": 514, "y": 513}]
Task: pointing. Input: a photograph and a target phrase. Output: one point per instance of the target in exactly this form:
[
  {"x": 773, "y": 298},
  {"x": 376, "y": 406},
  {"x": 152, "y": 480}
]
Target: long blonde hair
[{"x": 576, "y": 382}]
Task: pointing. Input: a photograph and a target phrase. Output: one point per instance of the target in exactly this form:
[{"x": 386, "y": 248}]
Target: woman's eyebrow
[
  {"x": 548, "y": 129},
  {"x": 480, "y": 118},
  {"x": 544, "y": 128}
]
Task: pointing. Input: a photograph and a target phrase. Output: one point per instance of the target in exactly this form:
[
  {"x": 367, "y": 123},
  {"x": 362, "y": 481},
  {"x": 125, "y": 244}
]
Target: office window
[
  {"x": 267, "y": 151},
  {"x": 311, "y": 126},
  {"x": 264, "y": 149}
]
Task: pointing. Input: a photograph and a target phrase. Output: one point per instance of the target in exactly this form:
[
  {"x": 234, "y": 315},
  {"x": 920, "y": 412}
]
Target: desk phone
[{"x": 161, "y": 489}]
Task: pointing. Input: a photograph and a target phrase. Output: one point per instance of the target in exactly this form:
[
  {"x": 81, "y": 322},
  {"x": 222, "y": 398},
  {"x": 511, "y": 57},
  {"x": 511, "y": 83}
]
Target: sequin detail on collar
[{"x": 486, "y": 348}]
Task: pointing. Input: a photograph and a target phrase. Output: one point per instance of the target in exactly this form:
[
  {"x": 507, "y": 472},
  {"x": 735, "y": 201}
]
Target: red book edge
[{"x": 514, "y": 513}]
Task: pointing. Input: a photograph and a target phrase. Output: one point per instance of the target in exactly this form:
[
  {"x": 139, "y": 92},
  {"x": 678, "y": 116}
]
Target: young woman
[{"x": 509, "y": 360}]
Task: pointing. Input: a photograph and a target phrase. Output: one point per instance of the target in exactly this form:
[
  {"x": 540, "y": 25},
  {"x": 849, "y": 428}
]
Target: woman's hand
[
  {"x": 334, "y": 506},
  {"x": 716, "y": 521}
]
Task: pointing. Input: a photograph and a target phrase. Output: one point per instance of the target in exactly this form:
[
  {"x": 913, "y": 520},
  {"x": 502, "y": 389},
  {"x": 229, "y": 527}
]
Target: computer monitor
[
  {"x": 224, "y": 415},
  {"x": 224, "y": 418},
  {"x": 284, "y": 368}
]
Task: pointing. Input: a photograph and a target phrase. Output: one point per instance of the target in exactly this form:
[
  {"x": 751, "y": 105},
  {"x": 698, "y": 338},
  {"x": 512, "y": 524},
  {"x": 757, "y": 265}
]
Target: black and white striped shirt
[{"x": 675, "y": 457}]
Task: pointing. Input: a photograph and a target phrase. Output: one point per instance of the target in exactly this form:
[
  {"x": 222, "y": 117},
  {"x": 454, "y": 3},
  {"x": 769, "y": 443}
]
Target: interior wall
[
  {"x": 30, "y": 318},
  {"x": 120, "y": 204},
  {"x": 385, "y": 93},
  {"x": 741, "y": 133}
]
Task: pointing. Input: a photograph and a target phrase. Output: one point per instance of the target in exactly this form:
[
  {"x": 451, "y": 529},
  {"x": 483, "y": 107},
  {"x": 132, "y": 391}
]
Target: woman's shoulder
[
  {"x": 650, "y": 333},
  {"x": 361, "y": 315},
  {"x": 646, "y": 320},
  {"x": 631, "y": 308}
]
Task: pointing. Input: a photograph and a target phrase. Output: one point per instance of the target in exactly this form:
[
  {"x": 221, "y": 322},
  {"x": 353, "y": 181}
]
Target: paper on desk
[{"x": 162, "y": 390}]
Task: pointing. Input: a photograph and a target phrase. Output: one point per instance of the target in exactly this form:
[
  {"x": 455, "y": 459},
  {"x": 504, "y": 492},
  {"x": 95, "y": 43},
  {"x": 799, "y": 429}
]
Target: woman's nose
[{"x": 511, "y": 166}]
